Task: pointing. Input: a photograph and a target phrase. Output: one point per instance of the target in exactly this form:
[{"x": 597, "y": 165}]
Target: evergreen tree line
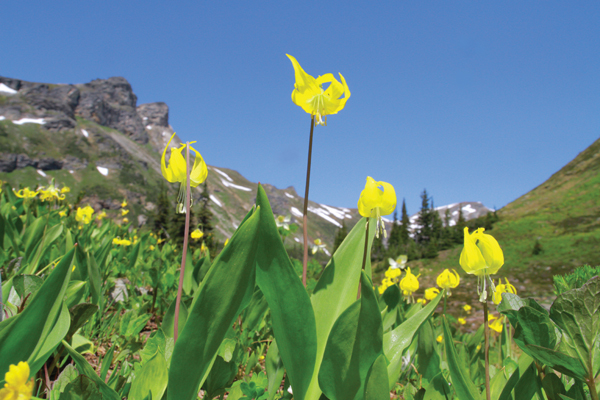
[
  {"x": 432, "y": 235},
  {"x": 167, "y": 224}
]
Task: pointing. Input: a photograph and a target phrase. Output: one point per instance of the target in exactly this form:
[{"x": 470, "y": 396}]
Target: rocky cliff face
[{"x": 108, "y": 102}]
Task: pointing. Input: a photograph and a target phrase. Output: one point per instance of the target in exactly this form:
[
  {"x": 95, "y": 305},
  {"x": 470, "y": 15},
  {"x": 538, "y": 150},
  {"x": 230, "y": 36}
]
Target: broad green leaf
[
  {"x": 559, "y": 361},
  {"x": 377, "y": 381},
  {"x": 223, "y": 370},
  {"x": 46, "y": 347},
  {"x": 168, "y": 322},
  {"x": 50, "y": 235},
  {"x": 19, "y": 338},
  {"x": 553, "y": 386},
  {"x": 75, "y": 293},
  {"x": 464, "y": 387},
  {"x": 107, "y": 361},
  {"x": 354, "y": 343},
  {"x": 337, "y": 289},
  {"x": 32, "y": 238},
  {"x": 66, "y": 376},
  {"x": 82, "y": 388},
  {"x": 428, "y": 357},
  {"x": 438, "y": 389},
  {"x": 275, "y": 369},
  {"x": 256, "y": 310},
  {"x": 86, "y": 369},
  {"x": 226, "y": 287},
  {"x": 27, "y": 285},
  {"x": 188, "y": 276},
  {"x": 577, "y": 313},
  {"x": 398, "y": 340},
  {"x": 291, "y": 310},
  {"x": 81, "y": 344},
  {"x": 95, "y": 281},
  {"x": 153, "y": 377}
]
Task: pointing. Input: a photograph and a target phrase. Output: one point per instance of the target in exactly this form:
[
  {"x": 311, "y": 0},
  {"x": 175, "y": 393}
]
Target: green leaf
[
  {"x": 20, "y": 336},
  {"x": 169, "y": 319},
  {"x": 27, "y": 285},
  {"x": 355, "y": 342},
  {"x": 275, "y": 369},
  {"x": 95, "y": 281},
  {"x": 291, "y": 310},
  {"x": 464, "y": 387},
  {"x": 82, "y": 388},
  {"x": 153, "y": 377},
  {"x": 337, "y": 289},
  {"x": 577, "y": 313},
  {"x": 377, "y": 381},
  {"x": 80, "y": 314},
  {"x": 66, "y": 376},
  {"x": 559, "y": 361},
  {"x": 226, "y": 287},
  {"x": 398, "y": 340},
  {"x": 553, "y": 386},
  {"x": 47, "y": 346},
  {"x": 82, "y": 344},
  {"x": 428, "y": 357},
  {"x": 85, "y": 369},
  {"x": 438, "y": 389},
  {"x": 50, "y": 235}
]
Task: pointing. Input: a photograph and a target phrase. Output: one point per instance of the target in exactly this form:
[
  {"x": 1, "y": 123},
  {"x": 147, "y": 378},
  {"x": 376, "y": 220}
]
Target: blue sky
[{"x": 474, "y": 101}]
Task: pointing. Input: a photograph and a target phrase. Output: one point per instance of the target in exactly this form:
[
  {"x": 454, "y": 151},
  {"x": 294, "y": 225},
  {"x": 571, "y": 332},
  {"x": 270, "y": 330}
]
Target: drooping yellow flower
[
  {"x": 121, "y": 242},
  {"x": 421, "y": 300},
  {"x": 203, "y": 248},
  {"x": 439, "y": 339},
  {"x": 197, "y": 234},
  {"x": 176, "y": 171},
  {"x": 497, "y": 323},
  {"x": 374, "y": 202},
  {"x": 481, "y": 256},
  {"x": 101, "y": 216},
  {"x": 462, "y": 321},
  {"x": 26, "y": 193},
  {"x": 151, "y": 247},
  {"x": 125, "y": 220},
  {"x": 503, "y": 288},
  {"x": 392, "y": 273},
  {"x": 410, "y": 283},
  {"x": 17, "y": 384},
  {"x": 84, "y": 214},
  {"x": 65, "y": 189},
  {"x": 447, "y": 279},
  {"x": 309, "y": 94},
  {"x": 431, "y": 293},
  {"x": 124, "y": 203},
  {"x": 467, "y": 308},
  {"x": 124, "y": 212},
  {"x": 62, "y": 213}
]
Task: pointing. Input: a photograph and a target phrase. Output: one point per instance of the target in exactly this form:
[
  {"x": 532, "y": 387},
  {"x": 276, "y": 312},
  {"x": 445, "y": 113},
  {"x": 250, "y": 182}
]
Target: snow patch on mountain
[
  {"x": 6, "y": 89},
  {"x": 222, "y": 174},
  {"x": 22, "y": 121},
  {"x": 325, "y": 215},
  {"x": 233, "y": 185},
  {"x": 214, "y": 198}
]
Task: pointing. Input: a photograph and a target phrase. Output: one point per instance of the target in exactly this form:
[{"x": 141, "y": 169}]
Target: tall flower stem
[
  {"x": 364, "y": 264},
  {"x": 185, "y": 241},
  {"x": 305, "y": 212},
  {"x": 486, "y": 334}
]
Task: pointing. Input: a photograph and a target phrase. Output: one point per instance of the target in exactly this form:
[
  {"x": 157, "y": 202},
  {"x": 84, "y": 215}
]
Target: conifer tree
[
  {"x": 394, "y": 241},
  {"x": 340, "y": 236},
  {"x": 377, "y": 249},
  {"x": 160, "y": 216},
  {"x": 425, "y": 221},
  {"x": 204, "y": 220},
  {"x": 404, "y": 224}
]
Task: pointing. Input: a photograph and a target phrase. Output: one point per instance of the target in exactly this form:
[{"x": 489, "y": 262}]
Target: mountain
[{"x": 94, "y": 138}]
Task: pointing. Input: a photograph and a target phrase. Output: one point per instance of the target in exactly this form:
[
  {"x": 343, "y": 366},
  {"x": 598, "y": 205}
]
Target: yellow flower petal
[
  {"x": 374, "y": 202},
  {"x": 471, "y": 259}
]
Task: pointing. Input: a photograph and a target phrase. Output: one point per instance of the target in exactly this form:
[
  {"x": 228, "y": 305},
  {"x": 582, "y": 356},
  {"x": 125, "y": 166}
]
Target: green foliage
[{"x": 574, "y": 280}]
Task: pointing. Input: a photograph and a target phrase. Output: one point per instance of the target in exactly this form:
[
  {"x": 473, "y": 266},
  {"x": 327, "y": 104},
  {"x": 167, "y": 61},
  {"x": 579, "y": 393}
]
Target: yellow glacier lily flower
[
  {"x": 197, "y": 234},
  {"x": 409, "y": 284},
  {"x": 467, "y": 308},
  {"x": 431, "y": 293},
  {"x": 101, "y": 216},
  {"x": 124, "y": 212},
  {"x": 62, "y": 213},
  {"x": 462, "y": 321},
  {"x": 503, "y": 288},
  {"x": 65, "y": 189},
  {"x": 448, "y": 280},
  {"x": 497, "y": 323},
  {"x": 374, "y": 202},
  {"x": 84, "y": 214},
  {"x": 51, "y": 193},
  {"x": 124, "y": 203},
  {"x": 309, "y": 93},
  {"x": 481, "y": 256},
  {"x": 26, "y": 193},
  {"x": 176, "y": 171},
  {"x": 17, "y": 384}
]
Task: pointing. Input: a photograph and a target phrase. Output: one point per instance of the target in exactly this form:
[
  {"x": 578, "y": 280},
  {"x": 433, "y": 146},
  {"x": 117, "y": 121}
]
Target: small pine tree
[
  {"x": 404, "y": 224},
  {"x": 160, "y": 216},
  {"x": 340, "y": 236},
  {"x": 204, "y": 220},
  {"x": 394, "y": 241},
  {"x": 537, "y": 248},
  {"x": 377, "y": 249}
]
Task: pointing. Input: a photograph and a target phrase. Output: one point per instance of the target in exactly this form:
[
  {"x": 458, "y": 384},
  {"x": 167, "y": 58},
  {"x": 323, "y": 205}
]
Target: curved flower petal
[
  {"x": 471, "y": 259},
  {"x": 373, "y": 198},
  {"x": 199, "y": 170},
  {"x": 491, "y": 251}
]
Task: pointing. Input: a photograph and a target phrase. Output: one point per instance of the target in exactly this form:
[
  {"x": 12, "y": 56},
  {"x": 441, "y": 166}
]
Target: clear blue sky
[{"x": 474, "y": 101}]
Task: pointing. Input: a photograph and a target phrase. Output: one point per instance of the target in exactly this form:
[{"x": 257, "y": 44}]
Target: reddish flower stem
[
  {"x": 304, "y": 215},
  {"x": 185, "y": 241}
]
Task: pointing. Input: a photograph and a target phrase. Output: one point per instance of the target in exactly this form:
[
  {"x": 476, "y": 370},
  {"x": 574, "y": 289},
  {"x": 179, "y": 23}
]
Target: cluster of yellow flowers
[
  {"x": 52, "y": 193},
  {"x": 84, "y": 214},
  {"x": 121, "y": 242}
]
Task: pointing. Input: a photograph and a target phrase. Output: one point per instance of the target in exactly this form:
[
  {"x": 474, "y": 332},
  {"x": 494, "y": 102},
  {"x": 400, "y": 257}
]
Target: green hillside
[{"x": 562, "y": 214}]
